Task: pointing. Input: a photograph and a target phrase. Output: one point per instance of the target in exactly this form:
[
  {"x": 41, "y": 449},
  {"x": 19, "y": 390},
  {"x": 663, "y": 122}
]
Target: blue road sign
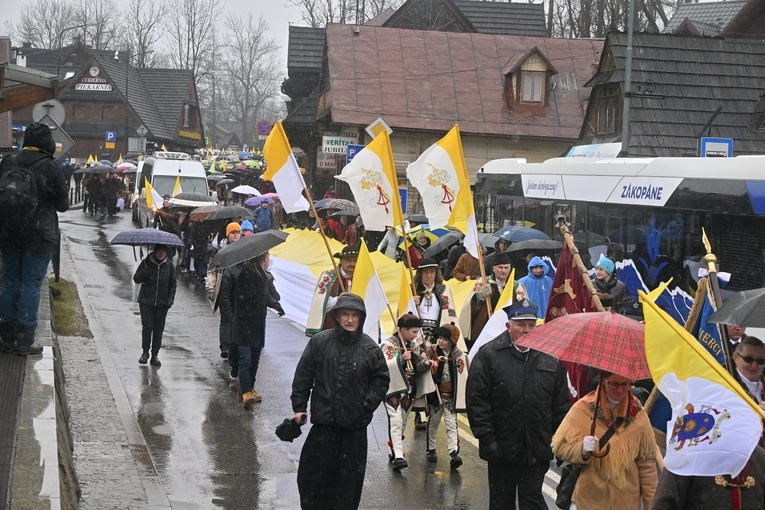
[
  {"x": 111, "y": 136},
  {"x": 351, "y": 151},
  {"x": 716, "y": 147}
]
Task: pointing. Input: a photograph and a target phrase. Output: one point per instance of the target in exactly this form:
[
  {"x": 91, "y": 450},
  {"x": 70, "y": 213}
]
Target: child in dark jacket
[{"x": 156, "y": 275}]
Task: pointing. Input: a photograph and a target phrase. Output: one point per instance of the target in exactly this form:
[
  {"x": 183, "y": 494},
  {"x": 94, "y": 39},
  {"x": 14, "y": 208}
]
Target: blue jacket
[
  {"x": 538, "y": 287},
  {"x": 264, "y": 219}
]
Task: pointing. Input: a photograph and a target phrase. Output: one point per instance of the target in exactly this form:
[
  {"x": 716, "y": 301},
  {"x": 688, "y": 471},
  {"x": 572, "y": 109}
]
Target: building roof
[
  {"x": 678, "y": 84},
  {"x": 381, "y": 18},
  {"x": 304, "y": 111},
  {"x": 705, "y": 14},
  {"x": 425, "y": 80},
  {"x": 305, "y": 50},
  {"x": 505, "y": 17},
  {"x": 169, "y": 88}
]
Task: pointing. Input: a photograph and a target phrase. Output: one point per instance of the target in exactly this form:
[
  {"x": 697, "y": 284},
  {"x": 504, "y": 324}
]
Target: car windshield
[{"x": 164, "y": 184}]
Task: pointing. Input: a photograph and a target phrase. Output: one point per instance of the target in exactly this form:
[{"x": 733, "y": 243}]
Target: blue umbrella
[
  {"x": 515, "y": 234},
  {"x": 146, "y": 236}
]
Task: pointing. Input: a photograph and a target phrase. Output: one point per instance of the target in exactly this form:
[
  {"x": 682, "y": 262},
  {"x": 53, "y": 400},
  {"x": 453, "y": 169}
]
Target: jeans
[
  {"x": 200, "y": 266},
  {"x": 249, "y": 359},
  {"x": 20, "y": 294}
]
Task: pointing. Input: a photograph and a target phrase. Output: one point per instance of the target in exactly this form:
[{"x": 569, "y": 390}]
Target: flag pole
[
  {"x": 409, "y": 260},
  {"x": 710, "y": 259},
  {"x": 326, "y": 242},
  {"x": 569, "y": 240}
]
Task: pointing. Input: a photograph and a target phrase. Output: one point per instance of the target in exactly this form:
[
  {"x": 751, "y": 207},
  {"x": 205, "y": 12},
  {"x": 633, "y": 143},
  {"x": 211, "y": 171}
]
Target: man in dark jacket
[
  {"x": 345, "y": 374},
  {"x": 516, "y": 398},
  {"x": 27, "y": 251},
  {"x": 156, "y": 275}
]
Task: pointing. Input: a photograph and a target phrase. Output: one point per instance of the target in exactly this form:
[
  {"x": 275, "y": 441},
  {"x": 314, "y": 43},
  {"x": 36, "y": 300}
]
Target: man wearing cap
[
  {"x": 475, "y": 313},
  {"x": 450, "y": 370},
  {"x": 328, "y": 288},
  {"x": 612, "y": 292},
  {"x": 516, "y": 398},
  {"x": 343, "y": 371},
  {"x": 213, "y": 285},
  {"x": 409, "y": 380},
  {"x": 156, "y": 275},
  {"x": 27, "y": 249}
]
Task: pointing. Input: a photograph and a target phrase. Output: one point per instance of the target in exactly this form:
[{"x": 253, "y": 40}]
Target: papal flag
[
  {"x": 177, "y": 188},
  {"x": 153, "y": 198},
  {"x": 371, "y": 175},
  {"x": 367, "y": 285},
  {"x": 715, "y": 425},
  {"x": 164, "y": 148},
  {"x": 496, "y": 323},
  {"x": 283, "y": 170},
  {"x": 437, "y": 175}
]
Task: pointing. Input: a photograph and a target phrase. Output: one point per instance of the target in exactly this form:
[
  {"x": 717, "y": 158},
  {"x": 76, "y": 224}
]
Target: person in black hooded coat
[
  {"x": 27, "y": 251},
  {"x": 345, "y": 374}
]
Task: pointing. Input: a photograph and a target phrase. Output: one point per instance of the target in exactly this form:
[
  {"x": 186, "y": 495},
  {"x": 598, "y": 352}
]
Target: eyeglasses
[
  {"x": 749, "y": 359},
  {"x": 616, "y": 385}
]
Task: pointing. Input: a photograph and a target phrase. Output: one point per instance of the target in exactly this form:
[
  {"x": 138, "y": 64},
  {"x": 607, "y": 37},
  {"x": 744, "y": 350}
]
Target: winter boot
[
  {"x": 431, "y": 456},
  {"x": 155, "y": 361},
  {"x": 25, "y": 341},
  {"x": 455, "y": 461},
  {"x": 144, "y": 358},
  {"x": 8, "y": 336},
  {"x": 248, "y": 399}
]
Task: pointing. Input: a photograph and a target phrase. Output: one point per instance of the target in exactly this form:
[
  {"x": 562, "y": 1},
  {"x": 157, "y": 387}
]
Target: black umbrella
[
  {"x": 249, "y": 247},
  {"x": 288, "y": 430},
  {"x": 417, "y": 218},
  {"x": 96, "y": 169},
  {"x": 225, "y": 182},
  {"x": 215, "y": 177},
  {"x": 535, "y": 244},
  {"x": 146, "y": 236},
  {"x": 744, "y": 309},
  {"x": 190, "y": 199},
  {"x": 444, "y": 243},
  {"x": 230, "y": 212}
]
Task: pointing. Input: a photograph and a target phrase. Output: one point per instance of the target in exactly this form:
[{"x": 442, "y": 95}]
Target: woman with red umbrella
[{"x": 624, "y": 472}]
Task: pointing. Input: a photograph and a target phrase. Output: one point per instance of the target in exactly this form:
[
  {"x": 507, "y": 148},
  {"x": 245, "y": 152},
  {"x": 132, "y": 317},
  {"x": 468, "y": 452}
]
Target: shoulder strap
[{"x": 610, "y": 432}]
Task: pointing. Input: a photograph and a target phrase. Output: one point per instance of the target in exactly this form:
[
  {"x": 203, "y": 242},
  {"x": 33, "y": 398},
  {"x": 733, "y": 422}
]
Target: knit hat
[
  {"x": 449, "y": 331},
  {"x": 233, "y": 227},
  {"x": 606, "y": 265},
  {"x": 501, "y": 258},
  {"x": 247, "y": 225},
  {"x": 39, "y": 135},
  {"x": 160, "y": 247},
  {"x": 409, "y": 320}
]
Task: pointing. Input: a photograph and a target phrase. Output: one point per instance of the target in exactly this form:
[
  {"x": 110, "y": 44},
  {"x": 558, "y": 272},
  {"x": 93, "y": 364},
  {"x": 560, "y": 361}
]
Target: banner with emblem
[
  {"x": 371, "y": 175},
  {"x": 715, "y": 425}
]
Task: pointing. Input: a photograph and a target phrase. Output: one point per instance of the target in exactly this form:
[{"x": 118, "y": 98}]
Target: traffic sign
[
  {"x": 264, "y": 127},
  {"x": 716, "y": 147},
  {"x": 351, "y": 151},
  {"x": 52, "y": 108},
  {"x": 111, "y": 136},
  {"x": 63, "y": 141}
]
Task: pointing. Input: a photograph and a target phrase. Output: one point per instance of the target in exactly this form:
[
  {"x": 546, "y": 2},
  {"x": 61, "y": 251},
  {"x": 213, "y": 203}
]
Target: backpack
[{"x": 18, "y": 197}]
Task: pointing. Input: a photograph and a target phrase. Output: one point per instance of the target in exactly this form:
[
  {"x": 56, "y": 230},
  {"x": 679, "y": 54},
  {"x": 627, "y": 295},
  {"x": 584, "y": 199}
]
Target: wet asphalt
[{"x": 205, "y": 448}]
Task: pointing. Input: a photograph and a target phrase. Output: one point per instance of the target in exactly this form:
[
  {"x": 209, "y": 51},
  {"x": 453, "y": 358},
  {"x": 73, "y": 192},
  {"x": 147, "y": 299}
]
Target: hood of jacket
[
  {"x": 349, "y": 302},
  {"x": 537, "y": 262}
]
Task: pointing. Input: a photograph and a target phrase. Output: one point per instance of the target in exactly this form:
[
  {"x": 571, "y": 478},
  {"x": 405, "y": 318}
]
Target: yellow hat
[{"x": 232, "y": 227}]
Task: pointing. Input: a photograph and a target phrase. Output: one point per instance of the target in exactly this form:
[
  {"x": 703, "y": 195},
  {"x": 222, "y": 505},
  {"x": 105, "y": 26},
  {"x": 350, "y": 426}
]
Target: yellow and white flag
[
  {"x": 463, "y": 213},
  {"x": 496, "y": 323},
  {"x": 437, "y": 176},
  {"x": 153, "y": 198},
  {"x": 284, "y": 171},
  {"x": 164, "y": 148},
  {"x": 367, "y": 285},
  {"x": 406, "y": 302},
  {"x": 177, "y": 188},
  {"x": 372, "y": 179},
  {"x": 715, "y": 425},
  {"x": 119, "y": 161},
  {"x": 90, "y": 160}
]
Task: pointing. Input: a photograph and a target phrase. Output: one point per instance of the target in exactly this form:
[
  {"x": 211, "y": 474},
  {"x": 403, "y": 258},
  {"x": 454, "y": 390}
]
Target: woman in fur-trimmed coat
[{"x": 628, "y": 473}]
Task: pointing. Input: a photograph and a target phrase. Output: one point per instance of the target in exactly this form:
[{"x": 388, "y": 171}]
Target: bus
[{"x": 647, "y": 210}]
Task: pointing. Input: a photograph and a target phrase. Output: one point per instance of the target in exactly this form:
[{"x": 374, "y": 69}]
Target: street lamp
[{"x": 61, "y": 42}]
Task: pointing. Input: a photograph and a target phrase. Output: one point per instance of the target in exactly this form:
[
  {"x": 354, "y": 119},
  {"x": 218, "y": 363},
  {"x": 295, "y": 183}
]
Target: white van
[{"x": 161, "y": 170}]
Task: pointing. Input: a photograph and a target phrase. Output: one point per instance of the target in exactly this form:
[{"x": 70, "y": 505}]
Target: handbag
[{"x": 570, "y": 473}]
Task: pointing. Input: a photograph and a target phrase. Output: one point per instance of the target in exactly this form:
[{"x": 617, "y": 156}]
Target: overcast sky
[{"x": 277, "y": 13}]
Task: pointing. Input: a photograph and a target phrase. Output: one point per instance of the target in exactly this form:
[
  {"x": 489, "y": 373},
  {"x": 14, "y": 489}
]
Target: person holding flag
[
  {"x": 328, "y": 288},
  {"x": 409, "y": 380},
  {"x": 434, "y": 300},
  {"x": 475, "y": 312}
]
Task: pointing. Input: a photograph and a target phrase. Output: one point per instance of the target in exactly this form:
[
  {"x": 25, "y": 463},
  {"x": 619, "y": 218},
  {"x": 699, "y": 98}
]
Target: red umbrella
[{"x": 602, "y": 340}]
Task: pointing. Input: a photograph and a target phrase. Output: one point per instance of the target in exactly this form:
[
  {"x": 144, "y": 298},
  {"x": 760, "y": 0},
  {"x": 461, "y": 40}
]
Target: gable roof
[
  {"x": 505, "y": 17},
  {"x": 169, "y": 88},
  {"x": 688, "y": 79},
  {"x": 305, "y": 49},
  {"x": 707, "y": 14},
  {"x": 441, "y": 15},
  {"x": 424, "y": 80}
]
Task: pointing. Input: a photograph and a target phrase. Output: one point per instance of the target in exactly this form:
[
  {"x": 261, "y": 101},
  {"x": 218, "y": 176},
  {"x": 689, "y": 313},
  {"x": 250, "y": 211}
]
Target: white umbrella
[{"x": 246, "y": 190}]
